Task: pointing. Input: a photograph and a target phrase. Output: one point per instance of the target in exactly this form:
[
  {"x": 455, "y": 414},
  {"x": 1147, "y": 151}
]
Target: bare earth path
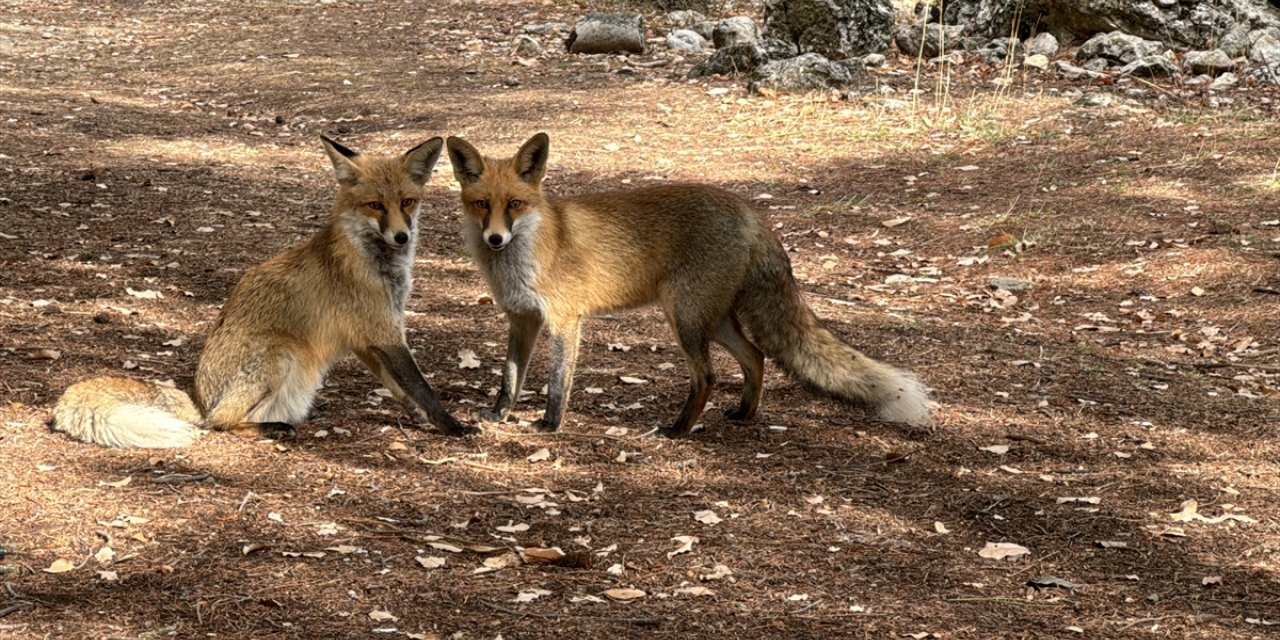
[{"x": 164, "y": 147}]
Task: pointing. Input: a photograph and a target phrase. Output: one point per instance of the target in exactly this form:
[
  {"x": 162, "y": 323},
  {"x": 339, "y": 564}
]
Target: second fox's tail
[
  {"x": 786, "y": 330},
  {"x": 118, "y": 412}
]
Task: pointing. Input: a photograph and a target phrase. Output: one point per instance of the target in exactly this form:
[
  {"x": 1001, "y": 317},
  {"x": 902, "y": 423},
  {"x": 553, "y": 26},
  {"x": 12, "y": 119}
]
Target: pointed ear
[
  {"x": 531, "y": 159},
  {"x": 341, "y": 158},
  {"x": 420, "y": 160},
  {"x": 467, "y": 163}
]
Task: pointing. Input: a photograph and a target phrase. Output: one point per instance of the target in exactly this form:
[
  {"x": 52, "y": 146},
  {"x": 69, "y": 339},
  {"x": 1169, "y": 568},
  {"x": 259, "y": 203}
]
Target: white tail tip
[{"x": 910, "y": 405}]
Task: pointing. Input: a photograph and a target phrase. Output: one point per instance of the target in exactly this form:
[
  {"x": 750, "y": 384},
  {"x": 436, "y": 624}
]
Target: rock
[
  {"x": 1037, "y": 61},
  {"x": 777, "y": 49},
  {"x": 1118, "y": 46},
  {"x": 607, "y": 33},
  {"x": 1043, "y": 44},
  {"x": 684, "y": 19},
  {"x": 996, "y": 52},
  {"x": 1184, "y": 23},
  {"x": 805, "y": 73},
  {"x": 1150, "y": 67},
  {"x": 927, "y": 40},
  {"x": 1012, "y": 285},
  {"x": 1224, "y": 82},
  {"x": 1264, "y": 49},
  {"x": 1097, "y": 64},
  {"x": 874, "y": 60},
  {"x": 837, "y": 29},
  {"x": 526, "y": 47},
  {"x": 686, "y": 41},
  {"x": 1211, "y": 62},
  {"x": 739, "y": 58},
  {"x": 1235, "y": 40},
  {"x": 704, "y": 29},
  {"x": 546, "y": 28},
  {"x": 1072, "y": 72},
  {"x": 735, "y": 30},
  {"x": 1095, "y": 100}
]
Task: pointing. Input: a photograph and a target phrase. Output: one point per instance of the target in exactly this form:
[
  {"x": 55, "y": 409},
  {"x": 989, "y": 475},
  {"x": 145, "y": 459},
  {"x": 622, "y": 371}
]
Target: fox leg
[
  {"x": 729, "y": 334},
  {"x": 522, "y": 336},
  {"x": 697, "y": 350},
  {"x": 564, "y": 341},
  {"x": 396, "y": 368},
  {"x": 265, "y": 398}
]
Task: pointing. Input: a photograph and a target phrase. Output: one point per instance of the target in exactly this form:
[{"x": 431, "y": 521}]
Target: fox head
[
  {"x": 498, "y": 195},
  {"x": 380, "y": 194}
]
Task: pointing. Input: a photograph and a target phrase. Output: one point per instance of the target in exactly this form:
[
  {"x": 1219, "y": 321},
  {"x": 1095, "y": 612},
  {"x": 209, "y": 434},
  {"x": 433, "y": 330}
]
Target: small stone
[
  {"x": 607, "y": 33},
  {"x": 683, "y": 19},
  {"x": 1118, "y": 46},
  {"x": 1211, "y": 62},
  {"x": 1037, "y": 61},
  {"x": 1012, "y": 285},
  {"x": 804, "y": 74},
  {"x": 1224, "y": 82},
  {"x": 1097, "y": 64},
  {"x": 546, "y": 28},
  {"x": 1043, "y": 44},
  {"x": 526, "y": 47},
  {"x": 735, "y": 30},
  {"x": 704, "y": 29},
  {"x": 874, "y": 60},
  {"x": 686, "y": 41},
  {"x": 1150, "y": 67},
  {"x": 1095, "y": 100}
]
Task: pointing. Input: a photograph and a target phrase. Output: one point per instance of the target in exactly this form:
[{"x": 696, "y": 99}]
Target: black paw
[
  {"x": 278, "y": 431},
  {"x": 673, "y": 433},
  {"x": 739, "y": 414},
  {"x": 541, "y": 424},
  {"x": 457, "y": 429},
  {"x": 494, "y": 417}
]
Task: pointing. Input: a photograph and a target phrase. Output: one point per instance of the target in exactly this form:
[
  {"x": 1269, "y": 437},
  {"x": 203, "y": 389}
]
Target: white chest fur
[{"x": 511, "y": 272}]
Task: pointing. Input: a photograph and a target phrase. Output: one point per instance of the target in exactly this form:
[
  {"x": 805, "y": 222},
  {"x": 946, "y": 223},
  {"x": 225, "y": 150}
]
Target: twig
[
  {"x": 640, "y": 622},
  {"x": 805, "y": 608},
  {"x": 1143, "y": 620},
  {"x": 1274, "y": 292},
  {"x": 176, "y": 478},
  {"x": 1005, "y": 600},
  {"x": 14, "y": 608}
]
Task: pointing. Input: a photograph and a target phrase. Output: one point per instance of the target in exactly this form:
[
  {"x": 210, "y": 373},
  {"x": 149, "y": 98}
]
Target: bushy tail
[
  {"x": 117, "y": 412},
  {"x": 786, "y": 330}
]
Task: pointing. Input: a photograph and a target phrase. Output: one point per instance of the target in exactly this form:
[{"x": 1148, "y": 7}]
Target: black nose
[
  {"x": 402, "y": 237},
  {"x": 495, "y": 240}
]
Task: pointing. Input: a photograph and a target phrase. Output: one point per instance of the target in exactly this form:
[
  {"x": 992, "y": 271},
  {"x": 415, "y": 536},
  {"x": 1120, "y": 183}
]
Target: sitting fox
[
  {"x": 289, "y": 320},
  {"x": 698, "y": 251}
]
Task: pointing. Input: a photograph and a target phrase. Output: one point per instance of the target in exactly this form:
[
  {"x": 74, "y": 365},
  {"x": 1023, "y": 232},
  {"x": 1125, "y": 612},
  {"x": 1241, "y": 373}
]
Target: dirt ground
[{"x": 164, "y": 147}]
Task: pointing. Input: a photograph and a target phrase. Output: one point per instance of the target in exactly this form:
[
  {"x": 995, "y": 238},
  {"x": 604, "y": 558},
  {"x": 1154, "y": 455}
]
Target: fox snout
[
  {"x": 396, "y": 229},
  {"x": 497, "y": 241}
]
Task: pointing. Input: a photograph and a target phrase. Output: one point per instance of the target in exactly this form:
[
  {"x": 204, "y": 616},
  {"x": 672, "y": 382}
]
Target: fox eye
[
  {"x": 482, "y": 204},
  {"x": 376, "y": 206},
  {"x": 515, "y": 204},
  {"x": 408, "y": 203}
]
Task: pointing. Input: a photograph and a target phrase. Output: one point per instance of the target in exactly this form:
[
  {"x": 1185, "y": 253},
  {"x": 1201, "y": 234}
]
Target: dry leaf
[
  {"x": 117, "y": 484},
  {"x": 378, "y": 615},
  {"x": 686, "y": 545},
  {"x": 631, "y": 380},
  {"x": 109, "y": 576},
  {"x": 1187, "y": 512},
  {"x": 61, "y": 565},
  {"x": 706, "y": 516},
  {"x": 625, "y": 594},
  {"x": 541, "y": 555},
  {"x": 695, "y": 591},
  {"x": 513, "y": 528},
  {"x": 998, "y": 449},
  {"x": 442, "y": 546},
  {"x": 145, "y": 294},
  {"x": 105, "y": 555},
  {"x": 430, "y": 562},
  {"x": 895, "y": 222},
  {"x": 718, "y": 572},
  {"x": 467, "y": 359},
  {"x": 1003, "y": 550},
  {"x": 540, "y": 455},
  {"x": 530, "y": 595},
  {"x": 940, "y": 528}
]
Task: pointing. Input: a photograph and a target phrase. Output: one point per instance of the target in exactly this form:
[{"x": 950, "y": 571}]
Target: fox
[
  {"x": 699, "y": 251},
  {"x": 288, "y": 320}
]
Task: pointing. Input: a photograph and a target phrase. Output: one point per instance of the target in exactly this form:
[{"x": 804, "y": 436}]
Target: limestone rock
[
  {"x": 607, "y": 33},
  {"x": 837, "y": 29},
  {"x": 738, "y": 58},
  {"x": 805, "y": 73}
]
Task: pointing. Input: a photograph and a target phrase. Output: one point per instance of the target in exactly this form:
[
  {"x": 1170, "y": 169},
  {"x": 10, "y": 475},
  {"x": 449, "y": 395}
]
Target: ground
[{"x": 151, "y": 152}]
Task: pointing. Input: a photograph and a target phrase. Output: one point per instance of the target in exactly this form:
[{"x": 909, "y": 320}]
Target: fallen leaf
[
  {"x": 61, "y": 565},
  {"x": 1210, "y": 581},
  {"x": 105, "y": 555},
  {"x": 1084, "y": 499},
  {"x": 530, "y": 595},
  {"x": 998, "y": 449},
  {"x": 117, "y": 484},
  {"x": 344, "y": 549},
  {"x": 686, "y": 545},
  {"x": 540, "y": 455},
  {"x": 467, "y": 359},
  {"x": 541, "y": 555},
  {"x": 695, "y": 591},
  {"x": 1045, "y": 582},
  {"x": 1197, "y": 291},
  {"x": 631, "y": 380},
  {"x": 513, "y": 528},
  {"x": 275, "y": 517},
  {"x": 940, "y": 528},
  {"x": 443, "y": 546},
  {"x": 1186, "y": 513},
  {"x": 895, "y": 222},
  {"x": 430, "y": 562},
  {"x": 109, "y": 576},
  {"x": 1003, "y": 550},
  {"x": 625, "y": 594},
  {"x": 145, "y": 294},
  {"x": 706, "y": 516},
  {"x": 718, "y": 572},
  {"x": 378, "y": 615}
]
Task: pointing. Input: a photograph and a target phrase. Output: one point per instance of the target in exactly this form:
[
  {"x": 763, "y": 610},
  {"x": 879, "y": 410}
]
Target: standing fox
[
  {"x": 288, "y": 320},
  {"x": 699, "y": 251}
]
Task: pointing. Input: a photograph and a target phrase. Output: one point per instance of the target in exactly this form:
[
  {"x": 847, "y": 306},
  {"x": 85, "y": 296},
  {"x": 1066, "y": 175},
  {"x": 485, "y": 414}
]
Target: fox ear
[
  {"x": 420, "y": 160},
  {"x": 341, "y": 158},
  {"x": 467, "y": 163},
  {"x": 531, "y": 159}
]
